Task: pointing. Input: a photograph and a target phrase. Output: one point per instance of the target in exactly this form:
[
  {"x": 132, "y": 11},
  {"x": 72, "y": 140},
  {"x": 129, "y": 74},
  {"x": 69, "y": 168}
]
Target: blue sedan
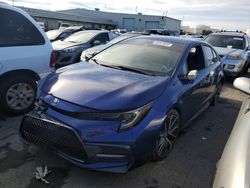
[{"x": 127, "y": 105}]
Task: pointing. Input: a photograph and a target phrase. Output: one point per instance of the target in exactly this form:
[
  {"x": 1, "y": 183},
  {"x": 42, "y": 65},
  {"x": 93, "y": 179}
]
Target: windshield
[
  {"x": 119, "y": 38},
  {"x": 226, "y": 41},
  {"x": 53, "y": 34},
  {"x": 80, "y": 37},
  {"x": 153, "y": 56}
]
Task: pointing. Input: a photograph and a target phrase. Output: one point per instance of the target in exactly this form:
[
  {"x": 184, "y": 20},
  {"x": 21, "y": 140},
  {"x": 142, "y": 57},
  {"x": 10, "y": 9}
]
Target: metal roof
[
  {"x": 114, "y": 13},
  {"x": 65, "y": 16}
]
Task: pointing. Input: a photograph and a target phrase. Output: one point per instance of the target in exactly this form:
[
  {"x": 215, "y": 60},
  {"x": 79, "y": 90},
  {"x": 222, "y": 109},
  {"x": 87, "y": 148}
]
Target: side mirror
[
  {"x": 192, "y": 75},
  {"x": 96, "y": 42},
  {"x": 248, "y": 48},
  {"x": 242, "y": 84}
]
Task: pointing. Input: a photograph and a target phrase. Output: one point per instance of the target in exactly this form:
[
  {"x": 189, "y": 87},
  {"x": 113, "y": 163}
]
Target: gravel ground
[{"x": 191, "y": 164}]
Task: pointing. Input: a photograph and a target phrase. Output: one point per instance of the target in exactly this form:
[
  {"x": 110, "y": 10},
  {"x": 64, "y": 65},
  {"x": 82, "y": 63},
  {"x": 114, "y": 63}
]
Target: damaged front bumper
[{"x": 66, "y": 142}]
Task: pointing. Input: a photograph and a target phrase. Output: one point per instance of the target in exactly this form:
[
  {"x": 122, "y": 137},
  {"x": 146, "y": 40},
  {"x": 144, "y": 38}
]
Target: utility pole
[{"x": 13, "y": 2}]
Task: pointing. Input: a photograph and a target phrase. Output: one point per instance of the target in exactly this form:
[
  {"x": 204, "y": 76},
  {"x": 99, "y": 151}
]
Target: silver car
[
  {"x": 234, "y": 49},
  {"x": 233, "y": 169},
  {"x": 68, "y": 50}
]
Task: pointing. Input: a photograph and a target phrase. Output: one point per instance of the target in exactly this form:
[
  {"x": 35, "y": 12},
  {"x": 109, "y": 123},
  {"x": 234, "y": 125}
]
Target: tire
[
  {"x": 165, "y": 140},
  {"x": 17, "y": 94},
  {"x": 217, "y": 95}
]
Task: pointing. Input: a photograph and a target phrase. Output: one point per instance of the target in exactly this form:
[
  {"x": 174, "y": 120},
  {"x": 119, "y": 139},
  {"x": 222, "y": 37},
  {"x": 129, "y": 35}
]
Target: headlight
[
  {"x": 71, "y": 49},
  {"x": 83, "y": 56},
  {"x": 127, "y": 119},
  {"x": 234, "y": 56},
  {"x": 132, "y": 118}
]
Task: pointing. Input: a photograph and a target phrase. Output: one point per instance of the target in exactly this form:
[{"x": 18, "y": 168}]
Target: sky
[{"x": 219, "y": 14}]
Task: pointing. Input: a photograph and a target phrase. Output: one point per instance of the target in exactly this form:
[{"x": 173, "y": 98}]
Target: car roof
[
  {"x": 185, "y": 41},
  {"x": 231, "y": 33}
]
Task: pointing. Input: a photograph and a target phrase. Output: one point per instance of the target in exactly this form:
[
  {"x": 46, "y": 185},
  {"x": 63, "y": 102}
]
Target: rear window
[{"x": 16, "y": 30}]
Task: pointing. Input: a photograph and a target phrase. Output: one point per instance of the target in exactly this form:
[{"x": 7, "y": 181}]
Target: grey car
[
  {"x": 68, "y": 51},
  {"x": 89, "y": 53},
  {"x": 233, "y": 168},
  {"x": 234, "y": 49}
]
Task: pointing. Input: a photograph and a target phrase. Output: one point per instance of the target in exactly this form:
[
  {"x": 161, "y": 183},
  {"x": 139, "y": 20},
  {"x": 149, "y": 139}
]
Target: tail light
[{"x": 52, "y": 59}]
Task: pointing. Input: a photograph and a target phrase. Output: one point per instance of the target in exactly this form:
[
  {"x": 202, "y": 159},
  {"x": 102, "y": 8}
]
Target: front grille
[{"x": 53, "y": 135}]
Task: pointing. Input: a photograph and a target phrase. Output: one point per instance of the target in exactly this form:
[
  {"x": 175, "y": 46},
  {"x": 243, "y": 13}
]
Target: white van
[{"x": 25, "y": 57}]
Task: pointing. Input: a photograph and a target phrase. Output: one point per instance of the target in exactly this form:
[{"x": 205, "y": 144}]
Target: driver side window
[
  {"x": 103, "y": 38},
  {"x": 195, "y": 59}
]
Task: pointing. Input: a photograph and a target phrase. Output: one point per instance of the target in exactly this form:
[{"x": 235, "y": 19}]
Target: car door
[
  {"x": 212, "y": 62},
  {"x": 196, "y": 92}
]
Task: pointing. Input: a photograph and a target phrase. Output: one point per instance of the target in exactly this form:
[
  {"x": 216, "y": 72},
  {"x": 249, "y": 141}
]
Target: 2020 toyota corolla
[{"x": 127, "y": 105}]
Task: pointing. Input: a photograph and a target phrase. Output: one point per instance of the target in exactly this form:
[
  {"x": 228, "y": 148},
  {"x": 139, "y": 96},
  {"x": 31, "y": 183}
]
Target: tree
[{"x": 206, "y": 32}]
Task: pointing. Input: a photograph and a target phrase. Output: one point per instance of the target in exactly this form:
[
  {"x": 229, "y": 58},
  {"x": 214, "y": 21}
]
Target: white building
[{"x": 131, "y": 22}]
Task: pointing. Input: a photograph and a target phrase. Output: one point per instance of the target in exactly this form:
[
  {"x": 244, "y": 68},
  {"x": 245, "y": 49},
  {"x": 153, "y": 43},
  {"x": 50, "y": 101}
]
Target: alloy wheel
[
  {"x": 167, "y": 136},
  {"x": 20, "y": 96}
]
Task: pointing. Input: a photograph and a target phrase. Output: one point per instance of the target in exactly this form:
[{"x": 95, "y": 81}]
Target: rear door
[{"x": 212, "y": 62}]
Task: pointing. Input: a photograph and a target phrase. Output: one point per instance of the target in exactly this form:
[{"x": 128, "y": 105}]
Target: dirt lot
[{"x": 191, "y": 164}]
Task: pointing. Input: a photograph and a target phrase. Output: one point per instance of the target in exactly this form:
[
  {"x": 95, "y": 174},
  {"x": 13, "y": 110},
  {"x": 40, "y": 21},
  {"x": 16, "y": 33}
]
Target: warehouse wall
[{"x": 139, "y": 19}]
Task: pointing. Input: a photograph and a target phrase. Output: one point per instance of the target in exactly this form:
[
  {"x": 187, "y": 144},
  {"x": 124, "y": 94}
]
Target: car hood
[
  {"x": 226, "y": 51},
  {"x": 102, "y": 88},
  {"x": 60, "y": 45}
]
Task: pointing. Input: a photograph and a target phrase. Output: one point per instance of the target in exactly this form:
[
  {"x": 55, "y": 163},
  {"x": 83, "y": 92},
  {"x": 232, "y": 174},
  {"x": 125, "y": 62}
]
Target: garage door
[
  {"x": 152, "y": 25},
  {"x": 129, "y": 24}
]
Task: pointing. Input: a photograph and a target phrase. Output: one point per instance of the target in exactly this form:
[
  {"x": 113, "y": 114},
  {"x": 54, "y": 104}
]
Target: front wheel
[
  {"x": 168, "y": 134},
  {"x": 17, "y": 94}
]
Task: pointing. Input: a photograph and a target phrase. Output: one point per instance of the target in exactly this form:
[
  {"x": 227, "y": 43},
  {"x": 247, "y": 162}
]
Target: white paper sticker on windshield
[
  {"x": 229, "y": 47},
  {"x": 237, "y": 38},
  {"x": 160, "y": 43}
]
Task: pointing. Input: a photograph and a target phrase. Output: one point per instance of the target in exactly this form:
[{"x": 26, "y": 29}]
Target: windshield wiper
[
  {"x": 105, "y": 65},
  {"x": 95, "y": 61},
  {"x": 121, "y": 67},
  {"x": 134, "y": 70},
  {"x": 72, "y": 41}
]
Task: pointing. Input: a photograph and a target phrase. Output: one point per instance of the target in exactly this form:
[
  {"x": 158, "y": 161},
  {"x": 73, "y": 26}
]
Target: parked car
[
  {"x": 60, "y": 34},
  {"x": 89, "y": 53},
  {"x": 162, "y": 32},
  {"x": 119, "y": 31},
  {"x": 42, "y": 25},
  {"x": 68, "y": 51},
  {"x": 233, "y": 168},
  {"x": 234, "y": 49},
  {"x": 128, "y": 105},
  {"x": 63, "y": 25},
  {"x": 26, "y": 56}
]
